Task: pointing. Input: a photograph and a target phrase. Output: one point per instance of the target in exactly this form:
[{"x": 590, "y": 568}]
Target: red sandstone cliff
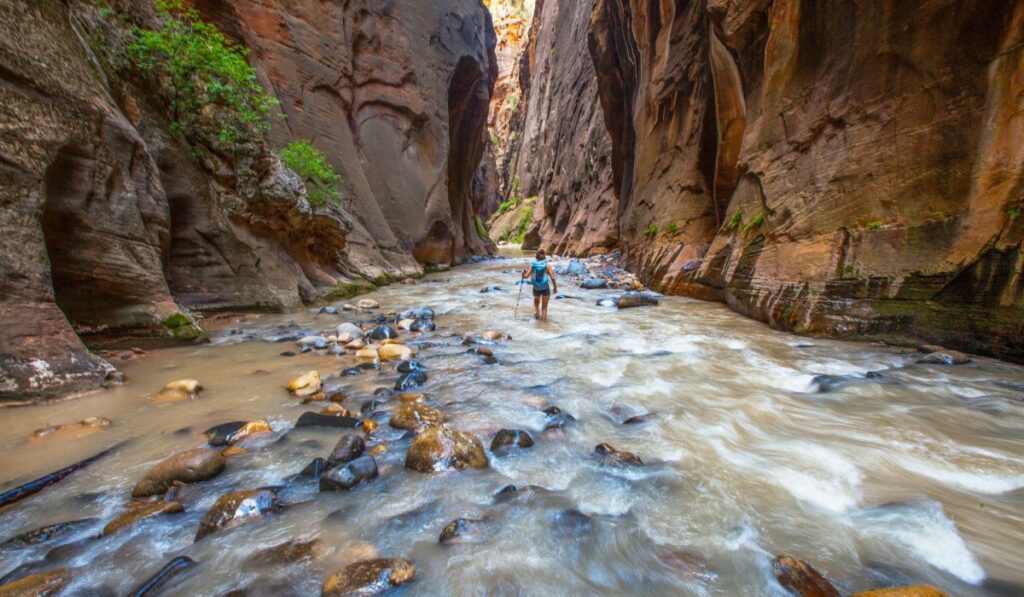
[
  {"x": 852, "y": 169},
  {"x": 112, "y": 224}
]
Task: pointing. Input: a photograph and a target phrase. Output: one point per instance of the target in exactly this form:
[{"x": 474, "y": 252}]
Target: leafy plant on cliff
[
  {"x": 753, "y": 224},
  {"x": 734, "y": 221},
  {"x": 508, "y": 205},
  {"x": 876, "y": 225},
  {"x": 651, "y": 231},
  {"x": 671, "y": 229},
  {"x": 320, "y": 178},
  {"x": 525, "y": 217},
  {"x": 481, "y": 230},
  {"x": 205, "y": 71},
  {"x": 1014, "y": 212}
]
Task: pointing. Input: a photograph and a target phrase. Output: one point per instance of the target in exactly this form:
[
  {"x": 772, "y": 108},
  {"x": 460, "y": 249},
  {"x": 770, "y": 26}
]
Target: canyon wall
[
  {"x": 849, "y": 169},
  {"x": 114, "y": 224},
  {"x": 559, "y": 156}
]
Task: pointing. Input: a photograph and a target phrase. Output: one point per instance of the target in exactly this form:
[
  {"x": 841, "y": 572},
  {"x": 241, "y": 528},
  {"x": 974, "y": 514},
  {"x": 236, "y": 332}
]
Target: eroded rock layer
[
  {"x": 114, "y": 224},
  {"x": 851, "y": 169}
]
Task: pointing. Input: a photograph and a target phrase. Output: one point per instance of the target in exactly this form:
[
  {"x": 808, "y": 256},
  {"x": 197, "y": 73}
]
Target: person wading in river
[{"x": 542, "y": 277}]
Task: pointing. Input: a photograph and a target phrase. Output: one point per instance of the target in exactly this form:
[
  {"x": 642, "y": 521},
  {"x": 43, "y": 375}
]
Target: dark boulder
[
  {"x": 608, "y": 301},
  {"x": 439, "y": 448},
  {"x": 423, "y": 325},
  {"x": 461, "y": 530},
  {"x": 313, "y": 419},
  {"x": 594, "y": 284},
  {"x": 637, "y": 299},
  {"x": 383, "y": 332},
  {"x": 346, "y": 477},
  {"x": 349, "y": 447},
  {"x": 236, "y": 508},
  {"x": 190, "y": 466},
  {"x": 614, "y": 456},
  {"x": 369, "y": 577},
  {"x": 315, "y": 469},
  {"x": 410, "y": 380}
]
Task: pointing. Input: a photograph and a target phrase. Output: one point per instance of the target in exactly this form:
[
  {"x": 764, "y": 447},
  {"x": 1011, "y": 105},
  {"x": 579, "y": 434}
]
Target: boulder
[
  {"x": 367, "y": 354},
  {"x": 594, "y": 284},
  {"x": 190, "y": 466},
  {"x": 909, "y": 591},
  {"x": 367, "y": 304},
  {"x": 43, "y": 584},
  {"x": 423, "y": 325},
  {"x": 259, "y": 427},
  {"x": 800, "y": 578},
  {"x": 305, "y": 385},
  {"x": 314, "y": 469},
  {"x": 348, "y": 448},
  {"x": 348, "y": 476},
  {"x": 410, "y": 380},
  {"x": 236, "y": 508},
  {"x": 614, "y": 456},
  {"x": 369, "y": 577},
  {"x": 573, "y": 267},
  {"x": 407, "y": 366},
  {"x": 383, "y": 332},
  {"x": 420, "y": 313},
  {"x": 508, "y": 439},
  {"x": 347, "y": 332},
  {"x": 140, "y": 511},
  {"x": 395, "y": 352},
  {"x": 438, "y": 449},
  {"x": 416, "y": 415},
  {"x": 633, "y": 299},
  {"x": 608, "y": 301}
]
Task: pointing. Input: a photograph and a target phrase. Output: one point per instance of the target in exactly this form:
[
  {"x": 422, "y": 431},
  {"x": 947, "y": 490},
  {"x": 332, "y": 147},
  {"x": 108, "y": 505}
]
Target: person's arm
[
  {"x": 526, "y": 274},
  {"x": 554, "y": 282}
]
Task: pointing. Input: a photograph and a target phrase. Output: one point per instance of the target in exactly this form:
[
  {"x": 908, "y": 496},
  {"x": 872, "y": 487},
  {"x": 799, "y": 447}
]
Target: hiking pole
[{"x": 516, "y": 314}]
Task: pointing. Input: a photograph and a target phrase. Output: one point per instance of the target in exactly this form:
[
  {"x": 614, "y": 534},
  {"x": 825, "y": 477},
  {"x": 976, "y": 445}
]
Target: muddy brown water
[{"x": 915, "y": 476}]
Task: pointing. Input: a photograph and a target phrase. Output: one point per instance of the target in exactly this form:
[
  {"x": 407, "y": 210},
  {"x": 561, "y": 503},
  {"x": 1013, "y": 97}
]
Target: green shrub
[
  {"x": 320, "y": 178},
  {"x": 735, "y": 221},
  {"x": 521, "y": 227},
  {"x": 205, "y": 69},
  {"x": 876, "y": 225},
  {"x": 651, "y": 231},
  {"x": 513, "y": 187},
  {"x": 671, "y": 229},
  {"x": 1014, "y": 212},
  {"x": 754, "y": 224},
  {"x": 508, "y": 205}
]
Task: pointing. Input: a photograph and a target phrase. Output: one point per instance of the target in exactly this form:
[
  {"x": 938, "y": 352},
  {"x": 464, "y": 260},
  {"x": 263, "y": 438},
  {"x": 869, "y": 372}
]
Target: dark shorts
[{"x": 546, "y": 291}]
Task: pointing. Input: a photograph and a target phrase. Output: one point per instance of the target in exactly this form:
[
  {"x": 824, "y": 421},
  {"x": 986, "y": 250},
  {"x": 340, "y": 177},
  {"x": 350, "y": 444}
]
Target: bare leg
[
  {"x": 544, "y": 307},
  {"x": 536, "y": 307}
]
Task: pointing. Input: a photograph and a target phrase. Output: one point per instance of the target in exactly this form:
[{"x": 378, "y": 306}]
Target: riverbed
[{"x": 914, "y": 474}]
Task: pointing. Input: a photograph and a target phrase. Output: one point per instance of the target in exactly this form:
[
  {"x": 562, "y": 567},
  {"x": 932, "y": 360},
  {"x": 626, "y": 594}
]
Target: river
[{"x": 913, "y": 476}]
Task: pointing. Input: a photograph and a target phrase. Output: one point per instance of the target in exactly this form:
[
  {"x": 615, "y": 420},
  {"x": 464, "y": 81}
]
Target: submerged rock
[
  {"x": 236, "y": 508},
  {"x": 306, "y": 384},
  {"x": 288, "y": 552},
  {"x": 420, "y": 313},
  {"x": 415, "y": 415},
  {"x": 614, "y": 456},
  {"x": 137, "y": 512},
  {"x": 508, "y": 439},
  {"x": 346, "y": 477},
  {"x": 190, "y": 466},
  {"x": 180, "y": 390},
  {"x": 460, "y": 530},
  {"x": 908, "y": 591},
  {"x": 86, "y": 425},
  {"x": 438, "y": 449},
  {"x": 495, "y": 336},
  {"x": 49, "y": 532},
  {"x": 800, "y": 578},
  {"x": 43, "y": 584},
  {"x": 556, "y": 419},
  {"x": 945, "y": 357},
  {"x": 608, "y": 301},
  {"x": 639, "y": 419},
  {"x": 158, "y": 581},
  {"x": 369, "y": 577}
]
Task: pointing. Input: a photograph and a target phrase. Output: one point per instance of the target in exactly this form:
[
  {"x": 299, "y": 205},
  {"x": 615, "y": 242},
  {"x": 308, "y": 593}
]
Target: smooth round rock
[
  {"x": 383, "y": 332},
  {"x": 190, "y": 466},
  {"x": 236, "y": 507},
  {"x": 416, "y": 415},
  {"x": 438, "y": 449},
  {"x": 306, "y": 384},
  {"x": 633, "y": 299},
  {"x": 142, "y": 511},
  {"x": 395, "y": 352},
  {"x": 367, "y": 304},
  {"x": 459, "y": 530}
]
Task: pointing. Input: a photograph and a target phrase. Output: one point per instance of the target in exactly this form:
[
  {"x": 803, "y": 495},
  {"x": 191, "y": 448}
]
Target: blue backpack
[{"x": 540, "y": 274}]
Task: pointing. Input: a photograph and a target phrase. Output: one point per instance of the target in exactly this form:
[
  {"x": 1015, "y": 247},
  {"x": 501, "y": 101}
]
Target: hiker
[{"x": 543, "y": 279}]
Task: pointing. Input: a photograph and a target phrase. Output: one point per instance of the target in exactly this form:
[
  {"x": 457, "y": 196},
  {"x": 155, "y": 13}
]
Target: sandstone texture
[
  {"x": 115, "y": 226},
  {"x": 848, "y": 169}
]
